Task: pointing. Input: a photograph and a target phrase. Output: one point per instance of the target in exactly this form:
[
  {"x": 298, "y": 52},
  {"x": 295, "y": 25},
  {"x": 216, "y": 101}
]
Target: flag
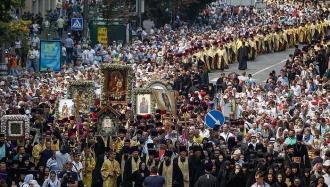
[
  {"x": 221, "y": 102},
  {"x": 215, "y": 102},
  {"x": 183, "y": 138}
]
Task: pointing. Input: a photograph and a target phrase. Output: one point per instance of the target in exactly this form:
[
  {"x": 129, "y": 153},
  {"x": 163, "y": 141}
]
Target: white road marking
[
  {"x": 262, "y": 70},
  {"x": 214, "y": 80}
]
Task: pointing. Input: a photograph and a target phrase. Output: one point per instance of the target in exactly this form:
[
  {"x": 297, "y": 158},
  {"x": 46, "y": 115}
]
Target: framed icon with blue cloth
[
  {"x": 15, "y": 127},
  {"x": 50, "y": 56}
]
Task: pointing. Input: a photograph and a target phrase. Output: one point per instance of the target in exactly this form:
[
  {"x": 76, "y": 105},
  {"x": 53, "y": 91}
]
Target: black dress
[
  {"x": 242, "y": 58},
  {"x": 139, "y": 176}
]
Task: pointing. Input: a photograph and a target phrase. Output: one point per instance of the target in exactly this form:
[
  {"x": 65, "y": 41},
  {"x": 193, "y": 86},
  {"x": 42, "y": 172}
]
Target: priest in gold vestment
[
  {"x": 170, "y": 171},
  {"x": 110, "y": 170},
  {"x": 182, "y": 162}
]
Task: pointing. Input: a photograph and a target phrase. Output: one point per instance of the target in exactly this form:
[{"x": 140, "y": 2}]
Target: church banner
[{"x": 50, "y": 55}]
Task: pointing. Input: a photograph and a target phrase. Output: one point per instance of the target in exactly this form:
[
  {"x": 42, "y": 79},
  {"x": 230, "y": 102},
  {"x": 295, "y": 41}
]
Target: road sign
[
  {"x": 214, "y": 118},
  {"x": 77, "y": 24}
]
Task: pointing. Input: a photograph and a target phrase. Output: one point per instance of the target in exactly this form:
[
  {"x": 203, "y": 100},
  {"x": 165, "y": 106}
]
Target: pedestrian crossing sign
[{"x": 77, "y": 24}]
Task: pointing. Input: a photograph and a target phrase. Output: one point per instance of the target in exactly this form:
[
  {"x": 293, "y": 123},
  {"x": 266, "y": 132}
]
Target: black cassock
[
  {"x": 243, "y": 53},
  {"x": 128, "y": 175},
  {"x": 207, "y": 180},
  {"x": 177, "y": 177},
  {"x": 196, "y": 169}
]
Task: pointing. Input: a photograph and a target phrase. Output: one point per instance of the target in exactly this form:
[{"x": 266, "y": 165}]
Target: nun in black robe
[{"x": 243, "y": 57}]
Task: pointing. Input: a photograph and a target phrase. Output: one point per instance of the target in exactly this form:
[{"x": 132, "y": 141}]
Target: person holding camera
[
  {"x": 78, "y": 168},
  {"x": 68, "y": 177},
  {"x": 52, "y": 180}
]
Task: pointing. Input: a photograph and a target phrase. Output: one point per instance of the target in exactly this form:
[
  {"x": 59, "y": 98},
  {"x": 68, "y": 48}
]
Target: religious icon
[
  {"x": 143, "y": 104},
  {"x": 116, "y": 86},
  {"x": 107, "y": 122},
  {"x": 116, "y": 82},
  {"x": 165, "y": 100},
  {"x": 65, "y": 109},
  {"x": 15, "y": 127}
]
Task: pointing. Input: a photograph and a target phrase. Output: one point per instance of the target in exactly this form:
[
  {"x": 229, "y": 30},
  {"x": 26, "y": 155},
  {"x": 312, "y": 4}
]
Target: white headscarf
[
  {"x": 34, "y": 183},
  {"x": 54, "y": 183},
  {"x": 27, "y": 180}
]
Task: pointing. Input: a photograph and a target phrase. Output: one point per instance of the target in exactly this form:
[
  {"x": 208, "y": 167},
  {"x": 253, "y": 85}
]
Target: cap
[
  {"x": 122, "y": 130},
  {"x": 126, "y": 149},
  {"x": 299, "y": 137},
  {"x": 182, "y": 149},
  {"x": 134, "y": 149},
  {"x": 150, "y": 145},
  {"x": 208, "y": 165},
  {"x": 159, "y": 124},
  {"x": 326, "y": 163},
  {"x": 209, "y": 145},
  {"x": 197, "y": 148},
  {"x": 168, "y": 153},
  {"x": 152, "y": 152}
]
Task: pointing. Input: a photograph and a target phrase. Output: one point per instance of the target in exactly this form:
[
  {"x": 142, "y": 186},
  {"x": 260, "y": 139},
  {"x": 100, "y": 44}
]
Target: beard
[
  {"x": 182, "y": 159},
  {"x": 168, "y": 162},
  {"x": 150, "y": 162}
]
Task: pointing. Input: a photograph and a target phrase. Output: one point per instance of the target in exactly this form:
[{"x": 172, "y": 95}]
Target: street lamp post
[
  {"x": 85, "y": 17},
  {"x": 139, "y": 12}
]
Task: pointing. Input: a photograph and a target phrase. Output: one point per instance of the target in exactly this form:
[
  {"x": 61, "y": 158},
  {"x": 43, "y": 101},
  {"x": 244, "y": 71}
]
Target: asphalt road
[{"x": 259, "y": 68}]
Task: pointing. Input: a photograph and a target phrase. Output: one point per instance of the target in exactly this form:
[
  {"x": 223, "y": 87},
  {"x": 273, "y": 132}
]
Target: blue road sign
[
  {"x": 214, "y": 118},
  {"x": 77, "y": 24}
]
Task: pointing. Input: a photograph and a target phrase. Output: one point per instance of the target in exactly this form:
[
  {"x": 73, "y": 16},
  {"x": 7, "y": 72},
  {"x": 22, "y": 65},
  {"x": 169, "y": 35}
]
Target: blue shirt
[
  {"x": 68, "y": 43},
  {"x": 154, "y": 181}
]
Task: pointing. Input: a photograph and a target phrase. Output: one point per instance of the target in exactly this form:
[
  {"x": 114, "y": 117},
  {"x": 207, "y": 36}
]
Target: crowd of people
[{"x": 276, "y": 133}]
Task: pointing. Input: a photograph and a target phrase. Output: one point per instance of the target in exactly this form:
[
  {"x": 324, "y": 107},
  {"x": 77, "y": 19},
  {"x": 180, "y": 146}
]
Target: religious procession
[{"x": 208, "y": 103}]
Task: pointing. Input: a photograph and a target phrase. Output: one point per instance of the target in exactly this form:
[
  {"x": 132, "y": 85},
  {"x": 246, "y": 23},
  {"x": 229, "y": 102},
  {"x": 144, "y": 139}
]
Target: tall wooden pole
[
  {"x": 77, "y": 114},
  {"x": 85, "y": 16}
]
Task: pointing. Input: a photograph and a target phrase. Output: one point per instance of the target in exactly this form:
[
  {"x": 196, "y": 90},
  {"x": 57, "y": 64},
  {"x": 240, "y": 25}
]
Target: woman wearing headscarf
[
  {"x": 27, "y": 180},
  {"x": 279, "y": 181},
  {"x": 52, "y": 180},
  {"x": 140, "y": 175},
  {"x": 33, "y": 183}
]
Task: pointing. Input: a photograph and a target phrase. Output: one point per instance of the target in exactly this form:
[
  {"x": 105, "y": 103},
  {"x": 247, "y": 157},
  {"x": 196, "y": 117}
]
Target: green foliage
[
  {"x": 111, "y": 9},
  {"x": 191, "y": 8},
  {"x": 162, "y": 10},
  {"x": 5, "y": 7},
  {"x": 9, "y": 31}
]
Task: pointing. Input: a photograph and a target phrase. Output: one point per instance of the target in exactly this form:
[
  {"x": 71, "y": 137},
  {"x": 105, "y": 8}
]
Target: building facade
[{"x": 40, "y": 6}]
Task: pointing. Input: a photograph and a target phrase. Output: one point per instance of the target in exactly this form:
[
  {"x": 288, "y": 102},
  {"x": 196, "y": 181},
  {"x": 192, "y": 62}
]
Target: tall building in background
[{"x": 42, "y": 6}]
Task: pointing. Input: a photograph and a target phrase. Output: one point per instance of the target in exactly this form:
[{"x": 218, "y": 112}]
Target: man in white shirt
[
  {"x": 78, "y": 168},
  {"x": 35, "y": 41},
  {"x": 326, "y": 176},
  {"x": 60, "y": 24},
  {"x": 225, "y": 132},
  {"x": 91, "y": 56},
  {"x": 260, "y": 180},
  {"x": 203, "y": 131},
  {"x": 35, "y": 60}
]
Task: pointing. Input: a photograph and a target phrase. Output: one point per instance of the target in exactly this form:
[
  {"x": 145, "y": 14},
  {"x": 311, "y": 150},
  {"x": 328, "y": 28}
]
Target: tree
[
  {"x": 163, "y": 11},
  {"x": 5, "y": 7},
  {"x": 10, "y": 29},
  {"x": 112, "y": 9}
]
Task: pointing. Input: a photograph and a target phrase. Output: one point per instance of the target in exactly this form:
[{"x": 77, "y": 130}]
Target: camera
[{"x": 69, "y": 178}]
